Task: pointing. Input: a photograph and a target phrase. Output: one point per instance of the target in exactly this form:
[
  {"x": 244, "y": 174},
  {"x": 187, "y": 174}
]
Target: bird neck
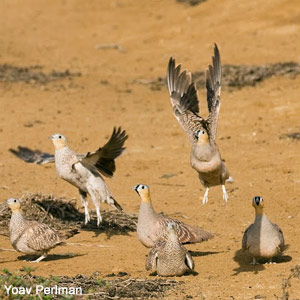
[
  {"x": 172, "y": 236},
  {"x": 259, "y": 211},
  {"x": 146, "y": 198},
  {"x": 16, "y": 219}
]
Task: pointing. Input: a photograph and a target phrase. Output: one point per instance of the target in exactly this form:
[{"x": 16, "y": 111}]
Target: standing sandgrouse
[
  {"x": 263, "y": 239},
  {"x": 153, "y": 226}
]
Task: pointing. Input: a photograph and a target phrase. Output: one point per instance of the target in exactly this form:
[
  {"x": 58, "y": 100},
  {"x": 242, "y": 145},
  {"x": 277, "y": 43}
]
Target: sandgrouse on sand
[
  {"x": 263, "y": 239},
  {"x": 168, "y": 257},
  {"x": 83, "y": 171},
  {"x": 205, "y": 156},
  {"x": 32, "y": 237},
  {"x": 153, "y": 226}
]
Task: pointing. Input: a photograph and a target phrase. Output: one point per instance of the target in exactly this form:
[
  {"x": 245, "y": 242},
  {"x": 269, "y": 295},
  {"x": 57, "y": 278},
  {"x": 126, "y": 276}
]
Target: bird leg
[
  {"x": 225, "y": 195},
  {"x": 99, "y": 217},
  {"x": 95, "y": 195},
  {"x": 205, "y": 197},
  {"x": 271, "y": 261},
  {"x": 39, "y": 259},
  {"x": 254, "y": 262},
  {"x": 85, "y": 203}
]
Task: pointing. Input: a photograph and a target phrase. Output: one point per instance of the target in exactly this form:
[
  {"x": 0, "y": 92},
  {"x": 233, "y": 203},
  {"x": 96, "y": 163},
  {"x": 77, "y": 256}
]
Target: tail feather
[
  {"x": 64, "y": 235},
  {"x": 113, "y": 202}
]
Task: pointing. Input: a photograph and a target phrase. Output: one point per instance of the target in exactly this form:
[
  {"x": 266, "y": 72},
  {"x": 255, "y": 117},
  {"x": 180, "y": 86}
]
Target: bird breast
[{"x": 205, "y": 158}]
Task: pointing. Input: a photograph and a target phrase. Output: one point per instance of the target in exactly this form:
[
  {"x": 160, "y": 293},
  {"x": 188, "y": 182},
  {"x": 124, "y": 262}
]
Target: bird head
[
  {"x": 143, "y": 191},
  {"x": 171, "y": 230},
  {"x": 14, "y": 204},
  {"x": 257, "y": 201},
  {"x": 201, "y": 136},
  {"x": 59, "y": 140},
  {"x": 258, "y": 204}
]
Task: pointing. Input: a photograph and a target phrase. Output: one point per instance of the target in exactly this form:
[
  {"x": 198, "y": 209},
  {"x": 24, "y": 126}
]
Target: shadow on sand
[
  {"x": 51, "y": 257},
  {"x": 244, "y": 260}
]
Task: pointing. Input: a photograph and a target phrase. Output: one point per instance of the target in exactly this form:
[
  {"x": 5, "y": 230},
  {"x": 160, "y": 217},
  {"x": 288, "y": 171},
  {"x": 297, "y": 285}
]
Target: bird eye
[
  {"x": 202, "y": 132},
  {"x": 143, "y": 187},
  {"x": 15, "y": 200},
  {"x": 59, "y": 136}
]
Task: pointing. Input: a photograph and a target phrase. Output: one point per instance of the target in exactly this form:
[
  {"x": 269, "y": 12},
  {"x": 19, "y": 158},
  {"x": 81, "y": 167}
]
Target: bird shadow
[
  {"x": 187, "y": 273},
  {"x": 51, "y": 257},
  {"x": 244, "y": 260},
  {"x": 106, "y": 229},
  {"x": 200, "y": 253}
]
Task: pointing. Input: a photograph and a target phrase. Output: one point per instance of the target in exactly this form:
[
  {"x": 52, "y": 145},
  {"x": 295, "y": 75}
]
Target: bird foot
[
  {"x": 254, "y": 262},
  {"x": 99, "y": 220},
  {"x": 87, "y": 218},
  {"x": 205, "y": 199},
  {"x": 270, "y": 262},
  {"x": 225, "y": 197},
  {"x": 37, "y": 260}
]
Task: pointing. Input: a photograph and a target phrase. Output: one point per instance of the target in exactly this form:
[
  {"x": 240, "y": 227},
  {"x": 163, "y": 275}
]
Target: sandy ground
[{"x": 64, "y": 35}]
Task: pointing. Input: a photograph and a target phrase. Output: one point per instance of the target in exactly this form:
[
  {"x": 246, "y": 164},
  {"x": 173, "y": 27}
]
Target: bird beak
[
  {"x": 256, "y": 200},
  {"x": 50, "y": 137},
  {"x": 135, "y": 188}
]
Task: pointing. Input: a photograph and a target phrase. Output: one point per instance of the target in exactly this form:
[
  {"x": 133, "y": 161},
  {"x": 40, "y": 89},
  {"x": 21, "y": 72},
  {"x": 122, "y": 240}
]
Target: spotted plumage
[
  {"x": 168, "y": 257},
  {"x": 205, "y": 156},
  {"x": 153, "y": 226},
  {"x": 32, "y": 237}
]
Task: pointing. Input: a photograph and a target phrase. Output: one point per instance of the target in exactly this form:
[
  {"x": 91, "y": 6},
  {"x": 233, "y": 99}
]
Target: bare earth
[{"x": 74, "y": 35}]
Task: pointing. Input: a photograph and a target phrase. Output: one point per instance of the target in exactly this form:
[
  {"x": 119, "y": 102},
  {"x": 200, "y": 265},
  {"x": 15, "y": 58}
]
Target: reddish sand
[{"x": 66, "y": 35}]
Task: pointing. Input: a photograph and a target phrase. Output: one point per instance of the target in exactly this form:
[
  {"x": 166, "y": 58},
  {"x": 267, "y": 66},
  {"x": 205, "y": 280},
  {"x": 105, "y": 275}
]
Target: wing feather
[
  {"x": 189, "y": 260},
  {"x": 40, "y": 237},
  {"x": 104, "y": 158},
  {"x": 152, "y": 257},
  {"x": 213, "y": 89},
  {"x": 186, "y": 233}
]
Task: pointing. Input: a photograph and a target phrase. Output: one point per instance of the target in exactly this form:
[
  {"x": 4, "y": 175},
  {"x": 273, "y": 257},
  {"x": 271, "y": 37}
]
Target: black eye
[
  {"x": 59, "y": 136},
  {"x": 15, "y": 200},
  {"x": 143, "y": 187},
  {"x": 202, "y": 132}
]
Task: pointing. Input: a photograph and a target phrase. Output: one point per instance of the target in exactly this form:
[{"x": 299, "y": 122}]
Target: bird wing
[
  {"x": 104, "y": 158},
  {"x": 41, "y": 237},
  {"x": 152, "y": 257},
  {"x": 33, "y": 156},
  {"x": 213, "y": 90},
  {"x": 186, "y": 233},
  {"x": 189, "y": 260},
  {"x": 281, "y": 237},
  {"x": 184, "y": 100},
  {"x": 245, "y": 238}
]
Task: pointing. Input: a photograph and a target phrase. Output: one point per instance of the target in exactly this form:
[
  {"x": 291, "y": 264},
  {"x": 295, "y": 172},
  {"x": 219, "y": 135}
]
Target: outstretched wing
[
  {"x": 104, "y": 158},
  {"x": 213, "y": 89},
  {"x": 33, "y": 156},
  {"x": 182, "y": 90},
  {"x": 186, "y": 233},
  {"x": 184, "y": 100}
]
